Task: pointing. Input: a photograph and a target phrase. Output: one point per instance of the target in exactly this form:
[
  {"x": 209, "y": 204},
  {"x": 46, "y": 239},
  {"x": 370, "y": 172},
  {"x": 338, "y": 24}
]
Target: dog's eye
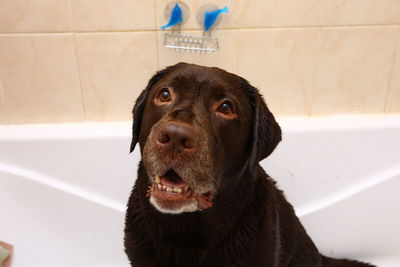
[
  {"x": 226, "y": 108},
  {"x": 164, "y": 95}
]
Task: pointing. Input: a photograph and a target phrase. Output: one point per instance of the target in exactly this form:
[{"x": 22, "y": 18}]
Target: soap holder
[
  {"x": 190, "y": 43},
  {"x": 178, "y": 13}
]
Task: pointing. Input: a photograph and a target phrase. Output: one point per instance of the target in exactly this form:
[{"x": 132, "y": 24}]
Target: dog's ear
[
  {"x": 266, "y": 131},
  {"x": 140, "y": 104},
  {"x": 137, "y": 118}
]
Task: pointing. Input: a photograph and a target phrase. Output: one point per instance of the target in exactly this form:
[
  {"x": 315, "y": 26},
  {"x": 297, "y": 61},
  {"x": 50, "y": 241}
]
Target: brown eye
[
  {"x": 226, "y": 108},
  {"x": 164, "y": 95}
]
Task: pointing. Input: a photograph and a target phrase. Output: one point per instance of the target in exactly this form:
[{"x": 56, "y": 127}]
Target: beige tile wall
[
  {"x": 113, "y": 70},
  {"x": 87, "y": 60},
  {"x": 34, "y": 16},
  {"x": 282, "y": 65},
  {"x": 353, "y": 70},
  {"x": 39, "y": 77}
]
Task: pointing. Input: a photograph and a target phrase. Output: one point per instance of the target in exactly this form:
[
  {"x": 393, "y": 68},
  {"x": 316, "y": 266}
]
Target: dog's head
[{"x": 199, "y": 129}]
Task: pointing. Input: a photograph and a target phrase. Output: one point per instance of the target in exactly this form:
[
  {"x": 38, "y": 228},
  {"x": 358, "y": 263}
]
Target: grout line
[
  {"x": 79, "y": 78},
  {"x": 71, "y": 20},
  {"x": 72, "y": 24},
  {"x": 396, "y": 54},
  {"x": 225, "y": 28},
  {"x": 237, "y": 51},
  {"x": 378, "y": 26},
  {"x": 321, "y": 12},
  {"x": 155, "y": 16},
  {"x": 156, "y": 32},
  {"x": 311, "y": 95},
  {"x": 3, "y": 113},
  {"x": 77, "y": 32}
]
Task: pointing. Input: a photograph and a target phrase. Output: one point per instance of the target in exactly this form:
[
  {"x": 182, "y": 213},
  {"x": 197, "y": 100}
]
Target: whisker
[{"x": 212, "y": 177}]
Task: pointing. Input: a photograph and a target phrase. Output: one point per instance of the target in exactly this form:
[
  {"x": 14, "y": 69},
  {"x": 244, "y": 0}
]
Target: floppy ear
[
  {"x": 266, "y": 131},
  {"x": 137, "y": 117},
  {"x": 140, "y": 104}
]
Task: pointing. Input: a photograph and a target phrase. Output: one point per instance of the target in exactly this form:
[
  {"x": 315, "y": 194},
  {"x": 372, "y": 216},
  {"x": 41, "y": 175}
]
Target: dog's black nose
[{"x": 179, "y": 137}]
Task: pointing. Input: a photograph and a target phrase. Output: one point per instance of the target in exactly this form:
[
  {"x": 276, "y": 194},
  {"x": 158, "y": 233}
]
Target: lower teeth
[{"x": 171, "y": 189}]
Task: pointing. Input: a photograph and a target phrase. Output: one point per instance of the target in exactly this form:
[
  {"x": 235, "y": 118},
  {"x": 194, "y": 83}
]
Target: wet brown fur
[{"x": 250, "y": 223}]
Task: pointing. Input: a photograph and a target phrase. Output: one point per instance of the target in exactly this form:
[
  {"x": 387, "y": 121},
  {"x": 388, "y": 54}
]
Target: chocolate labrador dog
[{"x": 201, "y": 197}]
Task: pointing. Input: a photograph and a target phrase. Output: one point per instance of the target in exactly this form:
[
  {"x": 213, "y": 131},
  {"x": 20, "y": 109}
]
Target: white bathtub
[{"x": 63, "y": 188}]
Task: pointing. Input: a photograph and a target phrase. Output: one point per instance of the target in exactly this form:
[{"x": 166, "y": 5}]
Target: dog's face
[{"x": 199, "y": 129}]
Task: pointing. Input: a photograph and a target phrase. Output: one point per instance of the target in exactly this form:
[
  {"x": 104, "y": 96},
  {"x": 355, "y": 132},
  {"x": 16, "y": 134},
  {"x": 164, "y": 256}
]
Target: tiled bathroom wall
[{"x": 87, "y": 60}]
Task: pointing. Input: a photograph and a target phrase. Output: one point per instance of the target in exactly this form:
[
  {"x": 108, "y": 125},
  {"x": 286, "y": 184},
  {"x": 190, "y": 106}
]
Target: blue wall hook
[
  {"x": 210, "y": 17},
  {"x": 176, "y": 17}
]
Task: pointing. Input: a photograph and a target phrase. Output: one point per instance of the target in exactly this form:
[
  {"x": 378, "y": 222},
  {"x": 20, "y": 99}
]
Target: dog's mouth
[{"x": 171, "y": 194}]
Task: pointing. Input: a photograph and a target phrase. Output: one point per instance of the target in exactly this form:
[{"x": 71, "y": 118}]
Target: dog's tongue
[{"x": 171, "y": 180}]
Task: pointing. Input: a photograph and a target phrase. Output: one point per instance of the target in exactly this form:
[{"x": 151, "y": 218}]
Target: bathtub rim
[{"x": 121, "y": 129}]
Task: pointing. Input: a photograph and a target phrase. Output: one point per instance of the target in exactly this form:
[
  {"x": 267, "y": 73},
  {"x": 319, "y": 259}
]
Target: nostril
[
  {"x": 188, "y": 143},
  {"x": 176, "y": 138},
  {"x": 163, "y": 138}
]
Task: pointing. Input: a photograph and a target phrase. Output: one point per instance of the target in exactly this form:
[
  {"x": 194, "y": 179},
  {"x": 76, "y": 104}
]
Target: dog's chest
[
  {"x": 201, "y": 249},
  {"x": 181, "y": 251}
]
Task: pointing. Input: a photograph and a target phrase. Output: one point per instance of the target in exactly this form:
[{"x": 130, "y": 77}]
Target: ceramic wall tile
[
  {"x": 106, "y": 15},
  {"x": 39, "y": 77},
  {"x": 360, "y": 12},
  {"x": 34, "y": 16},
  {"x": 353, "y": 70},
  {"x": 281, "y": 64},
  {"x": 278, "y": 13},
  {"x": 114, "y": 68}
]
